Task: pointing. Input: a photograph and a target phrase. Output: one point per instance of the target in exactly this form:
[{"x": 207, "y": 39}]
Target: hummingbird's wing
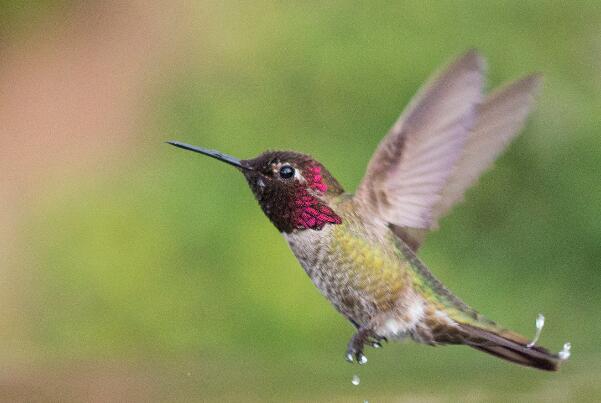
[
  {"x": 500, "y": 118},
  {"x": 429, "y": 192},
  {"x": 406, "y": 176}
]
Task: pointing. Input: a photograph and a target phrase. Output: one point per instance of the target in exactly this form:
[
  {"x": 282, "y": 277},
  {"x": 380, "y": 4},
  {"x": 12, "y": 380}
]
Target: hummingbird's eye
[{"x": 286, "y": 172}]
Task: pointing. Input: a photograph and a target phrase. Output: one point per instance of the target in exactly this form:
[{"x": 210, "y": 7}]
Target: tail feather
[{"x": 511, "y": 347}]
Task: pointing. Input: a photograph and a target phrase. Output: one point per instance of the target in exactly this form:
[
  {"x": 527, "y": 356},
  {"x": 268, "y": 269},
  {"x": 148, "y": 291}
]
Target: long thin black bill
[{"x": 228, "y": 159}]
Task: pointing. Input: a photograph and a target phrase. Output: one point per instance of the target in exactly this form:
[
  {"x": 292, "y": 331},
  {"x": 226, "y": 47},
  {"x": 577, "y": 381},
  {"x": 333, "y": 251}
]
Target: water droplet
[
  {"x": 362, "y": 359},
  {"x": 349, "y": 357},
  {"x": 540, "y": 322},
  {"x": 565, "y": 353},
  {"x": 355, "y": 381}
]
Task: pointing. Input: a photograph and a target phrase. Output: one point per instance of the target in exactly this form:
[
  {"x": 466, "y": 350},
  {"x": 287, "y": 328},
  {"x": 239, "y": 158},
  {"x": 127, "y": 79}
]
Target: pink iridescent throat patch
[{"x": 310, "y": 212}]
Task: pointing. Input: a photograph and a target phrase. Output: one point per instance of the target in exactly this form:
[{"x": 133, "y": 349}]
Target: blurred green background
[{"x": 135, "y": 271}]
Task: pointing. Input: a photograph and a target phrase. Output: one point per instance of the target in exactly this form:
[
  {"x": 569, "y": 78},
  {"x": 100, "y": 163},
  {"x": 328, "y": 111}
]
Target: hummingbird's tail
[{"x": 509, "y": 346}]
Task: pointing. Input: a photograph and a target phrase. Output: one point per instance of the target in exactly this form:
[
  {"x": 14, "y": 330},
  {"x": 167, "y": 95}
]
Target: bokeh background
[{"x": 130, "y": 270}]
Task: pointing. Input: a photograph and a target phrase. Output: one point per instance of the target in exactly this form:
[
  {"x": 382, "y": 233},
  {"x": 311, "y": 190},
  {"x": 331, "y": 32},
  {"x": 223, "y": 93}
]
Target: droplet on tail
[
  {"x": 362, "y": 359},
  {"x": 540, "y": 322},
  {"x": 356, "y": 380},
  {"x": 565, "y": 353}
]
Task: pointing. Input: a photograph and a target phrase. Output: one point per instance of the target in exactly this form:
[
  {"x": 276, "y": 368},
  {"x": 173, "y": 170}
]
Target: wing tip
[
  {"x": 532, "y": 82},
  {"x": 472, "y": 59},
  {"x": 528, "y": 86}
]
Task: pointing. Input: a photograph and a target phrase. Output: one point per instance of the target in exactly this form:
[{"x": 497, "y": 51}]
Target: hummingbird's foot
[
  {"x": 376, "y": 341},
  {"x": 358, "y": 341}
]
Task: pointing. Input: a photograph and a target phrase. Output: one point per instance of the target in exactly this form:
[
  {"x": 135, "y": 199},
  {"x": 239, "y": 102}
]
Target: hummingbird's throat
[{"x": 309, "y": 211}]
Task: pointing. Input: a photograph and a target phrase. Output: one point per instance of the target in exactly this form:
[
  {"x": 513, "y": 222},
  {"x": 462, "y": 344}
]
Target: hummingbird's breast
[{"x": 353, "y": 265}]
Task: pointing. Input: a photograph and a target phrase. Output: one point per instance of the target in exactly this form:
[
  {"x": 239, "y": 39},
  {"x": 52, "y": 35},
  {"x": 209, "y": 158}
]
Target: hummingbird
[{"x": 360, "y": 250}]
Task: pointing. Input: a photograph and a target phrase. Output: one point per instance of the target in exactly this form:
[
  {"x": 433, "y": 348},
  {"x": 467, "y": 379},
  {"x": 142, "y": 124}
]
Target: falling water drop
[
  {"x": 565, "y": 353},
  {"x": 540, "y": 322},
  {"x": 355, "y": 381}
]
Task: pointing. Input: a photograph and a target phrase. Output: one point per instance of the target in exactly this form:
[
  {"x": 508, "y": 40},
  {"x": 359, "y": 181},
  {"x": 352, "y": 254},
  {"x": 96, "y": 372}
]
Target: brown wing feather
[
  {"x": 499, "y": 120},
  {"x": 408, "y": 171}
]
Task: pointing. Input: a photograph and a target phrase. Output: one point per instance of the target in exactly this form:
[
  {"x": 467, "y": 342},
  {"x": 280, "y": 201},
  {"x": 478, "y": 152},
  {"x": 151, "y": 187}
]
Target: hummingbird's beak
[{"x": 228, "y": 159}]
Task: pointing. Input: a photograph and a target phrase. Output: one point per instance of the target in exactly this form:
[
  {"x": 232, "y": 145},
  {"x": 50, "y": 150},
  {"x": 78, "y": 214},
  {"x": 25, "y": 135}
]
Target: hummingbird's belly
[{"x": 355, "y": 275}]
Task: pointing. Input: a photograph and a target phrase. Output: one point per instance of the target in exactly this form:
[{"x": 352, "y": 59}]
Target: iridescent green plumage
[{"x": 379, "y": 270}]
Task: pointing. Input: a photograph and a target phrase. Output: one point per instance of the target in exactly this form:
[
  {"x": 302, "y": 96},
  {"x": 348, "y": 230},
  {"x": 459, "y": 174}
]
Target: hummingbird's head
[{"x": 292, "y": 188}]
